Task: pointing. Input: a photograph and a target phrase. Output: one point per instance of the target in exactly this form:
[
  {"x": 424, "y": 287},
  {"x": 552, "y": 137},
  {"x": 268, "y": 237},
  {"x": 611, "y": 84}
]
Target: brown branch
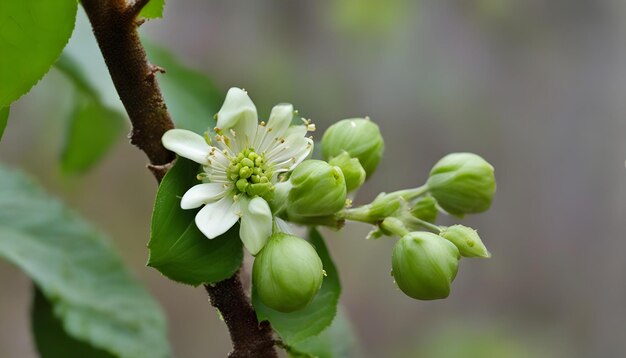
[
  {"x": 115, "y": 24},
  {"x": 250, "y": 338}
]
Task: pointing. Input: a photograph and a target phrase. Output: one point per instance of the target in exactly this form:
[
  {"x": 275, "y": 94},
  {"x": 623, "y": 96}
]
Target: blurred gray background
[{"x": 536, "y": 87}]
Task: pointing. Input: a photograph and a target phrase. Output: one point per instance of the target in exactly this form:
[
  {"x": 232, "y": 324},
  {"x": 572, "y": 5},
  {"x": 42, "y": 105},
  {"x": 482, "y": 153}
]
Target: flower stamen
[{"x": 250, "y": 173}]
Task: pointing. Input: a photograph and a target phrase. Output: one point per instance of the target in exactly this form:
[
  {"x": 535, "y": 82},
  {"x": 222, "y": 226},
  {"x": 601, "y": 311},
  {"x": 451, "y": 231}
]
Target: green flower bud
[
  {"x": 353, "y": 172},
  {"x": 466, "y": 240},
  {"x": 462, "y": 183},
  {"x": 393, "y": 227},
  {"x": 424, "y": 265},
  {"x": 425, "y": 209},
  {"x": 360, "y": 137},
  {"x": 318, "y": 189},
  {"x": 287, "y": 273},
  {"x": 278, "y": 201},
  {"x": 383, "y": 206}
]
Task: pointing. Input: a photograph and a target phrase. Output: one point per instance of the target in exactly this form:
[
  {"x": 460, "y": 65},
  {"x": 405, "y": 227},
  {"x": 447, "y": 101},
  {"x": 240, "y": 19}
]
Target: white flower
[{"x": 241, "y": 166}]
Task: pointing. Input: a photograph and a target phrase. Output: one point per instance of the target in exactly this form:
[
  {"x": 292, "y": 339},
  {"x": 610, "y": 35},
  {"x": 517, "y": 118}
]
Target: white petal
[
  {"x": 202, "y": 194},
  {"x": 219, "y": 159},
  {"x": 239, "y": 114},
  {"x": 296, "y": 131},
  {"x": 216, "y": 218},
  {"x": 256, "y": 224},
  {"x": 187, "y": 144},
  {"x": 280, "y": 118},
  {"x": 291, "y": 153}
]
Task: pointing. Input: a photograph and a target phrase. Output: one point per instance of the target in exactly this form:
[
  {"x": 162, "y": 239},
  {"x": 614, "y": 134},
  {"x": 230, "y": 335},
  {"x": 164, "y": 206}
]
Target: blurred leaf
[
  {"x": 177, "y": 248},
  {"x": 153, "y": 10},
  {"x": 191, "y": 97},
  {"x": 72, "y": 70},
  {"x": 475, "y": 341},
  {"x": 336, "y": 341},
  {"x": 369, "y": 18},
  {"x": 50, "y": 337},
  {"x": 93, "y": 128},
  {"x": 78, "y": 271},
  {"x": 297, "y": 326},
  {"x": 32, "y": 36},
  {"x": 4, "y": 117}
]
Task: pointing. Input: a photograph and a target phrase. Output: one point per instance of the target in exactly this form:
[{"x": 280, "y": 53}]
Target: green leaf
[
  {"x": 336, "y": 341},
  {"x": 4, "y": 117},
  {"x": 153, "y": 10},
  {"x": 72, "y": 70},
  {"x": 297, "y": 326},
  {"x": 190, "y": 96},
  {"x": 50, "y": 337},
  {"x": 93, "y": 128},
  {"x": 177, "y": 248},
  {"x": 32, "y": 35},
  {"x": 91, "y": 292}
]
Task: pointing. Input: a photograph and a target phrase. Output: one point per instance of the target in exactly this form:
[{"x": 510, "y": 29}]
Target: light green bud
[
  {"x": 425, "y": 209},
  {"x": 424, "y": 265},
  {"x": 393, "y": 227},
  {"x": 360, "y": 137},
  {"x": 353, "y": 172},
  {"x": 278, "y": 201},
  {"x": 462, "y": 183},
  {"x": 383, "y": 206},
  {"x": 287, "y": 273},
  {"x": 466, "y": 240},
  {"x": 318, "y": 189}
]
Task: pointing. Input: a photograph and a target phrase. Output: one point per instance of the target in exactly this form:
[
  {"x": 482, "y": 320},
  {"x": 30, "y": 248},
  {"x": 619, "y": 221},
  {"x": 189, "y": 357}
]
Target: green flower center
[{"x": 250, "y": 173}]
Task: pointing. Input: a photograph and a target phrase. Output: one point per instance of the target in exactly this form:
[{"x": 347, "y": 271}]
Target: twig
[
  {"x": 250, "y": 338},
  {"x": 115, "y": 24}
]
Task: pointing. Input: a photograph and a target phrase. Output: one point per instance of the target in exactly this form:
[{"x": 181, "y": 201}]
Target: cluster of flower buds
[
  {"x": 258, "y": 174},
  {"x": 426, "y": 257}
]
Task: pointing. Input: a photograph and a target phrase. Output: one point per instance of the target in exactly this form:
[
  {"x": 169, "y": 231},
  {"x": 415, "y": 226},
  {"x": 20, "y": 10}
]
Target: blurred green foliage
[
  {"x": 78, "y": 271},
  {"x": 93, "y": 128},
  {"x": 51, "y": 339}
]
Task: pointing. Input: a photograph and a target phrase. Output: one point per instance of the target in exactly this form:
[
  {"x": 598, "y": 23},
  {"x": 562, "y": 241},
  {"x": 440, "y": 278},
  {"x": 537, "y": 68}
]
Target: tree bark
[{"x": 250, "y": 338}]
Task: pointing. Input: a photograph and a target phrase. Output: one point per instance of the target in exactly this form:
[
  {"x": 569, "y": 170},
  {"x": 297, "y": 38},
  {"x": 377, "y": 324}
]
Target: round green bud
[
  {"x": 287, "y": 273},
  {"x": 462, "y": 183},
  {"x": 353, "y": 172},
  {"x": 425, "y": 209},
  {"x": 360, "y": 137},
  {"x": 466, "y": 240},
  {"x": 318, "y": 189},
  {"x": 424, "y": 265}
]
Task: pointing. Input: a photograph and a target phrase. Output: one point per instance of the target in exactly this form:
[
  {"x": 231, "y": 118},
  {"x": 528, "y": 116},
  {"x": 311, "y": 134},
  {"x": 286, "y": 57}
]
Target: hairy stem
[
  {"x": 250, "y": 338},
  {"x": 115, "y": 24}
]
